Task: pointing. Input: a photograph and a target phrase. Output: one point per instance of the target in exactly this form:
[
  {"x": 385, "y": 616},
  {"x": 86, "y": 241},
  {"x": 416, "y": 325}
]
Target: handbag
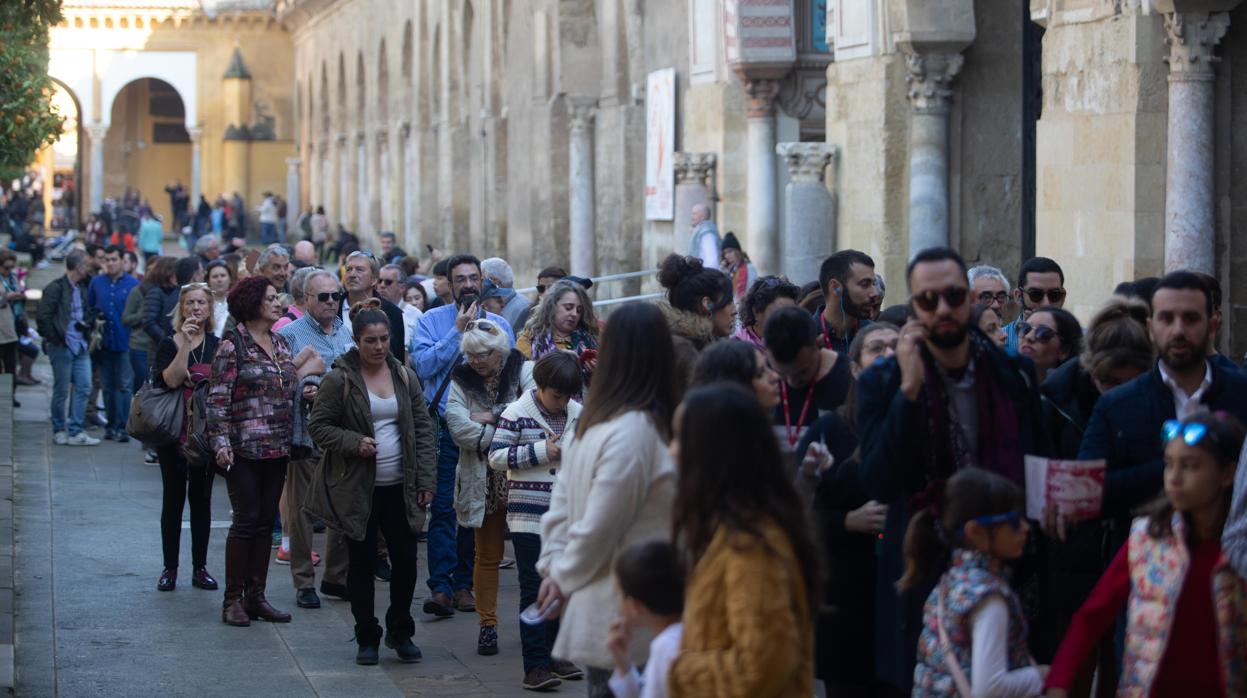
[
  {"x": 156, "y": 414},
  {"x": 198, "y": 450}
]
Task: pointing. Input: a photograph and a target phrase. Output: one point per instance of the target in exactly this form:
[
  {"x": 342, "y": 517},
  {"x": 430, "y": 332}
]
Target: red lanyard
[
  {"x": 794, "y": 435},
  {"x": 822, "y": 321}
]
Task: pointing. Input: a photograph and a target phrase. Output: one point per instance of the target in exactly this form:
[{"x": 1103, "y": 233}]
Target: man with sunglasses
[
  {"x": 851, "y": 296},
  {"x": 392, "y": 286},
  {"x": 948, "y": 400},
  {"x": 1125, "y": 426},
  {"x": 1040, "y": 283},
  {"x": 451, "y": 548},
  {"x": 324, "y": 332},
  {"x": 362, "y": 272}
]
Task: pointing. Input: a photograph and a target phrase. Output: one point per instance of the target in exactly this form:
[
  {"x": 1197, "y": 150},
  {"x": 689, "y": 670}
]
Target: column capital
[
  {"x": 693, "y": 168},
  {"x": 96, "y": 131},
  {"x": 341, "y": 137},
  {"x": 760, "y": 96},
  {"x": 360, "y": 137},
  {"x": 1192, "y": 38},
  {"x": 383, "y": 136},
  {"x": 581, "y": 110},
  {"x": 292, "y": 163},
  {"x": 930, "y": 79},
  {"x": 195, "y": 133},
  {"x": 404, "y": 129},
  {"x": 806, "y": 161}
]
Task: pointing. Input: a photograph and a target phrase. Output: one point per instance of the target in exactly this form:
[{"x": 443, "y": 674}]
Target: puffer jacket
[
  {"x": 468, "y": 395},
  {"x": 342, "y": 482}
]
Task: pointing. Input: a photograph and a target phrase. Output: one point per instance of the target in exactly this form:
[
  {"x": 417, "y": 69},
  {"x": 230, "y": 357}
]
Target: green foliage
[{"x": 28, "y": 120}]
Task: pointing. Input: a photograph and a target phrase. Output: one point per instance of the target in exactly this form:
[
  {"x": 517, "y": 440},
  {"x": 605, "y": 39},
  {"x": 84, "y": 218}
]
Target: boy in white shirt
[{"x": 650, "y": 576}]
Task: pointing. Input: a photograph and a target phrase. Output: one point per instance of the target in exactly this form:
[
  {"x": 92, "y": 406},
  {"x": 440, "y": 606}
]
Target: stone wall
[{"x": 1232, "y": 184}]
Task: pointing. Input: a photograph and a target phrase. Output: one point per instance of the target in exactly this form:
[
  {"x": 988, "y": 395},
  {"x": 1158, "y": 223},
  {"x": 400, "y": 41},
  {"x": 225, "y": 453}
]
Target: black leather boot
[{"x": 258, "y": 607}]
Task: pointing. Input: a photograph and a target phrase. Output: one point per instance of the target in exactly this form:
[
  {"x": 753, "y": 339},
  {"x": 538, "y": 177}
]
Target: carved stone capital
[
  {"x": 341, "y": 138},
  {"x": 806, "y": 161},
  {"x": 361, "y": 137},
  {"x": 382, "y": 136},
  {"x": 761, "y": 94},
  {"x": 404, "y": 129},
  {"x": 96, "y": 131},
  {"x": 1192, "y": 38},
  {"x": 293, "y": 163},
  {"x": 930, "y": 79},
  {"x": 195, "y": 133},
  {"x": 693, "y": 168},
  {"x": 581, "y": 111}
]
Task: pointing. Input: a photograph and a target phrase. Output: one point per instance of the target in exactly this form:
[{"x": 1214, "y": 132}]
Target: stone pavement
[{"x": 89, "y": 620}]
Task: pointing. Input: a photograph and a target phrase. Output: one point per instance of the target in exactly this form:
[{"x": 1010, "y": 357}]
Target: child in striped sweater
[{"x": 528, "y": 445}]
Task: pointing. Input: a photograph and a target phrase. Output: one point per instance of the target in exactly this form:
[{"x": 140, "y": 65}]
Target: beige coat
[{"x": 616, "y": 488}]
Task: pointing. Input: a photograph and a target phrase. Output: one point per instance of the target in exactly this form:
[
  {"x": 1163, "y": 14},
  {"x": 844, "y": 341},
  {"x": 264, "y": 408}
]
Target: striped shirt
[
  {"x": 519, "y": 449},
  {"x": 306, "y": 332}
]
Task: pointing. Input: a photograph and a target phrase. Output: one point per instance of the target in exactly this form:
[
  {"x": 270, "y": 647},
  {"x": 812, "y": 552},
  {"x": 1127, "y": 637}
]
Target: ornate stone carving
[
  {"x": 581, "y": 110},
  {"x": 761, "y": 94},
  {"x": 404, "y": 129},
  {"x": 693, "y": 168},
  {"x": 382, "y": 136},
  {"x": 930, "y": 79},
  {"x": 1192, "y": 38},
  {"x": 194, "y": 133},
  {"x": 96, "y": 132},
  {"x": 806, "y": 161},
  {"x": 361, "y": 137}
]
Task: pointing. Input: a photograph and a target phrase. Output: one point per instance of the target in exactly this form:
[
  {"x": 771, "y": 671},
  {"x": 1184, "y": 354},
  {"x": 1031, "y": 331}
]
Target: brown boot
[
  {"x": 237, "y": 563},
  {"x": 257, "y": 607}
]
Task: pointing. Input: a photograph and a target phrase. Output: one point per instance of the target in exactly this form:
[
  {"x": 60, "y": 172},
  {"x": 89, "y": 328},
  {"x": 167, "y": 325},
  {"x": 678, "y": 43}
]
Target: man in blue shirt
[
  {"x": 321, "y": 329},
  {"x": 436, "y": 352},
  {"x": 106, "y": 296}
]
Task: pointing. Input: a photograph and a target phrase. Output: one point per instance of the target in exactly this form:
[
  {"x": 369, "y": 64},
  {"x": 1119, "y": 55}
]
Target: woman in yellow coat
[{"x": 752, "y": 593}]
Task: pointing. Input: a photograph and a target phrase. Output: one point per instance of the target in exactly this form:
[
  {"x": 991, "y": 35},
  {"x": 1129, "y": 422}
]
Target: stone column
[
  {"x": 293, "y": 206},
  {"x": 1190, "y": 188},
  {"x": 930, "y": 95},
  {"x": 196, "y": 136},
  {"x": 809, "y": 236},
  {"x": 763, "y": 243},
  {"x": 383, "y": 221},
  {"x": 580, "y": 186},
  {"x": 362, "y": 223},
  {"x": 343, "y": 215},
  {"x": 693, "y": 174},
  {"x": 96, "y": 132}
]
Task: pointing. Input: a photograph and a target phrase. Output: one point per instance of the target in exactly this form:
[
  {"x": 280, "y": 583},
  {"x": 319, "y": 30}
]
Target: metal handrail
[
  {"x": 628, "y": 299},
  {"x": 600, "y": 279}
]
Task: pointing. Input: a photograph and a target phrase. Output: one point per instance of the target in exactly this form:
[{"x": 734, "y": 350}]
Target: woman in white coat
[{"x": 616, "y": 487}]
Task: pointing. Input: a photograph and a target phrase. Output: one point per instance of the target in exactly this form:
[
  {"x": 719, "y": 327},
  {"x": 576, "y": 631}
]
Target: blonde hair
[
  {"x": 1117, "y": 336},
  {"x": 202, "y": 287}
]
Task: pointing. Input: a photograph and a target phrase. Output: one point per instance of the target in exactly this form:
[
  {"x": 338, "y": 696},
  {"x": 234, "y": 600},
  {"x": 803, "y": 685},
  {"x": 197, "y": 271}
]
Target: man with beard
[
  {"x": 948, "y": 400},
  {"x": 362, "y": 272},
  {"x": 1125, "y": 426},
  {"x": 851, "y": 296},
  {"x": 451, "y": 548},
  {"x": 1040, "y": 283}
]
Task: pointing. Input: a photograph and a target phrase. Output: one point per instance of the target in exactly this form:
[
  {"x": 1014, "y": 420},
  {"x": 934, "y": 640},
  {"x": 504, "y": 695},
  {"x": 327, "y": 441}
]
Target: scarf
[
  {"x": 579, "y": 341},
  {"x": 999, "y": 450}
]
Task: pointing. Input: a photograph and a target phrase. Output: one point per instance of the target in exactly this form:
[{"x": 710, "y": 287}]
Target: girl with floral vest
[
  {"x": 1186, "y": 609},
  {"x": 973, "y": 640}
]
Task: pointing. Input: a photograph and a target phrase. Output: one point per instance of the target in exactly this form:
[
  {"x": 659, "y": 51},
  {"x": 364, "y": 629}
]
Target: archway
[
  {"x": 60, "y": 165},
  {"x": 147, "y": 151}
]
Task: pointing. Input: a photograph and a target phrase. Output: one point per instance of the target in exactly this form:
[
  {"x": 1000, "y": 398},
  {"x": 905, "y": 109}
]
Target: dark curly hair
[
  {"x": 687, "y": 281},
  {"x": 246, "y": 298},
  {"x": 762, "y": 294}
]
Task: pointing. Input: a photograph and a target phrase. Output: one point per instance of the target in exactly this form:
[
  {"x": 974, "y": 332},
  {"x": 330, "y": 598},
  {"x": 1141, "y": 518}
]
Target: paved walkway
[{"x": 89, "y": 620}]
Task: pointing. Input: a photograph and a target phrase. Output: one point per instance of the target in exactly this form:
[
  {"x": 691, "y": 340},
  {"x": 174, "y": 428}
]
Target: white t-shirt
[
  {"x": 653, "y": 683},
  {"x": 389, "y": 440}
]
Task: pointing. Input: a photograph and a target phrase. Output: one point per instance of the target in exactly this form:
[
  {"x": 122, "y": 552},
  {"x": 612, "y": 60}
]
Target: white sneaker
[
  {"x": 43, "y": 264},
  {"x": 60, "y": 438},
  {"x": 81, "y": 439}
]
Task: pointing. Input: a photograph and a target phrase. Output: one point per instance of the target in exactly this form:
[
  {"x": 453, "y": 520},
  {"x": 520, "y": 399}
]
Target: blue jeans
[
  {"x": 116, "y": 382},
  {"x": 538, "y": 639},
  {"x": 67, "y": 368},
  {"x": 268, "y": 233},
  {"x": 138, "y": 369},
  {"x": 281, "y": 230},
  {"x": 451, "y": 548}
]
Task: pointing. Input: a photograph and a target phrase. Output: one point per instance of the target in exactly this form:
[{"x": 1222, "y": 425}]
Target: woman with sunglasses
[
  {"x": 184, "y": 361},
  {"x": 1049, "y": 337},
  {"x": 973, "y": 640},
  {"x": 564, "y": 321},
  {"x": 494, "y": 376},
  {"x": 700, "y": 309},
  {"x": 1186, "y": 609}
]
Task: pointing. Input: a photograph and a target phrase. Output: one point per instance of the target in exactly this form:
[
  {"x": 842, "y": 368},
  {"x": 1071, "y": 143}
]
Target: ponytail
[{"x": 926, "y": 551}]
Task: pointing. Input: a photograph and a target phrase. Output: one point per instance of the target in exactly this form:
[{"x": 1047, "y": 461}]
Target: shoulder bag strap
[
  {"x": 437, "y": 398},
  {"x": 950, "y": 659}
]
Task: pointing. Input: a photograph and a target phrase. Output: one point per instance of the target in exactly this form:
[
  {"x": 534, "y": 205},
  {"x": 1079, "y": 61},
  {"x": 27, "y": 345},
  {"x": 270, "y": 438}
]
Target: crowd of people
[{"x": 756, "y": 486}]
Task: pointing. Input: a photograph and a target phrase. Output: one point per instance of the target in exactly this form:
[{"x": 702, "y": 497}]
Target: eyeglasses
[
  {"x": 387, "y": 282},
  {"x": 955, "y": 296},
  {"x": 1013, "y": 518},
  {"x": 541, "y": 288},
  {"x": 335, "y": 296},
  {"x": 1043, "y": 333},
  {"x": 486, "y": 325},
  {"x": 987, "y": 298},
  {"x": 1192, "y": 433},
  {"x": 1055, "y": 295}
]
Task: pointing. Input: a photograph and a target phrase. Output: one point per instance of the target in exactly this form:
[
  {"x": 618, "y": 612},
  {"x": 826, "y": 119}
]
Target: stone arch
[
  {"x": 147, "y": 144},
  {"x": 324, "y": 100},
  {"x": 435, "y": 75},
  {"x": 383, "y": 85},
  {"x": 361, "y": 74},
  {"x": 175, "y": 68},
  {"x": 341, "y": 106}
]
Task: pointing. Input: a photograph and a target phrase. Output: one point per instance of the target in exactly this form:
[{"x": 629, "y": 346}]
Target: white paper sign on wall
[{"x": 660, "y": 145}]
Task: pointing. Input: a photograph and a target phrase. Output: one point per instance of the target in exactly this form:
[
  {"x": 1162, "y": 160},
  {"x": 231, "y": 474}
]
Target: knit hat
[{"x": 730, "y": 242}]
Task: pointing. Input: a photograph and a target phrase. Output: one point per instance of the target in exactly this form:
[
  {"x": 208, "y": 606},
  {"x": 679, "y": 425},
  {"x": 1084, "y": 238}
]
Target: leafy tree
[{"x": 28, "y": 121}]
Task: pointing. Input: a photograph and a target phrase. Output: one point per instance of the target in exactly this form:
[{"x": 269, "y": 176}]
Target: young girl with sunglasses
[
  {"x": 973, "y": 640},
  {"x": 1186, "y": 610}
]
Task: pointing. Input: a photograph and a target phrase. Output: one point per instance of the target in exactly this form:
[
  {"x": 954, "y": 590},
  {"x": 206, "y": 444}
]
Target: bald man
[
  {"x": 704, "y": 240},
  {"x": 305, "y": 252}
]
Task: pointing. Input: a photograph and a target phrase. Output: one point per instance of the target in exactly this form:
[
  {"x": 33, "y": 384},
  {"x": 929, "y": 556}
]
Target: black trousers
[
  {"x": 181, "y": 483},
  {"x": 8, "y": 356},
  {"x": 389, "y": 515},
  {"x": 254, "y": 492}
]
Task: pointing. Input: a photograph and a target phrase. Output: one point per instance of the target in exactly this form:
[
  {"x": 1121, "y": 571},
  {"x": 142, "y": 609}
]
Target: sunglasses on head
[
  {"x": 1192, "y": 433},
  {"x": 1055, "y": 295},
  {"x": 1042, "y": 333},
  {"x": 1013, "y": 518},
  {"x": 334, "y": 296},
  {"x": 486, "y": 325},
  {"x": 955, "y": 296},
  {"x": 363, "y": 253}
]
